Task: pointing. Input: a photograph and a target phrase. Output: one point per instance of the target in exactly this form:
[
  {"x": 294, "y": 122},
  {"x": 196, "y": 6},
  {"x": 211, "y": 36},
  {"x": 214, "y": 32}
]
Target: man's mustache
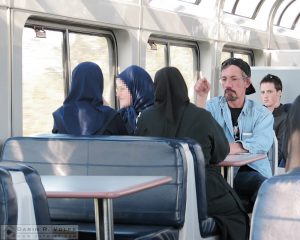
[{"x": 229, "y": 90}]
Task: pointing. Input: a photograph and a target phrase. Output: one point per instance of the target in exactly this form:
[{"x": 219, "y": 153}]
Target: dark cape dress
[
  {"x": 173, "y": 116},
  {"x": 82, "y": 112}
]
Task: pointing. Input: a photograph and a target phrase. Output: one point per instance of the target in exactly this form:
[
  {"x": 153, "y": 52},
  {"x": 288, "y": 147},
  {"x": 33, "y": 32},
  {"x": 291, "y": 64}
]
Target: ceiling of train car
[{"x": 287, "y": 13}]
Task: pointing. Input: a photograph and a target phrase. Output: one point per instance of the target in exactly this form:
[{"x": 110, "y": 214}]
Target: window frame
[
  {"x": 168, "y": 42},
  {"x": 176, "y": 42},
  {"x": 65, "y": 30},
  {"x": 80, "y": 29},
  {"x": 234, "y": 50}
]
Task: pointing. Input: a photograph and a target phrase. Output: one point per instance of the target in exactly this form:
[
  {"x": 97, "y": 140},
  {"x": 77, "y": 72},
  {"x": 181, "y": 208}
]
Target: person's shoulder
[
  {"x": 215, "y": 100},
  {"x": 116, "y": 125},
  {"x": 215, "y": 104},
  {"x": 193, "y": 108},
  {"x": 58, "y": 111},
  {"x": 258, "y": 112},
  {"x": 199, "y": 113},
  {"x": 147, "y": 113},
  {"x": 108, "y": 108},
  {"x": 280, "y": 112},
  {"x": 257, "y": 106}
]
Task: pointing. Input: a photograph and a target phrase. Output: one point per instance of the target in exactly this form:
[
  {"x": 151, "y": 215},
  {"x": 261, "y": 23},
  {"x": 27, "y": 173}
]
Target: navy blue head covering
[
  {"x": 141, "y": 88},
  {"x": 83, "y": 112}
]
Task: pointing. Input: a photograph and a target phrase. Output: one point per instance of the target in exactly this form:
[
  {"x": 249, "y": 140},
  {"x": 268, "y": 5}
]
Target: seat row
[{"x": 177, "y": 210}]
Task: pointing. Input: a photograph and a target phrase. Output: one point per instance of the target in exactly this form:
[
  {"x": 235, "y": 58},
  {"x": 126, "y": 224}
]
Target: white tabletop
[{"x": 98, "y": 186}]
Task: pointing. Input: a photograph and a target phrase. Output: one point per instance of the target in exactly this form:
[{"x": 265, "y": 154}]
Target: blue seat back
[
  {"x": 35, "y": 185},
  {"x": 276, "y": 212},
  {"x": 207, "y": 225},
  {"x": 8, "y": 206},
  {"x": 110, "y": 155}
]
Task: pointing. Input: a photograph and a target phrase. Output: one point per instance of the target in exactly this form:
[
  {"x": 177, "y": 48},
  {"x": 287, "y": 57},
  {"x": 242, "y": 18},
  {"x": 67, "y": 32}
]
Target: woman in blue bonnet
[
  {"x": 135, "y": 92},
  {"x": 83, "y": 112}
]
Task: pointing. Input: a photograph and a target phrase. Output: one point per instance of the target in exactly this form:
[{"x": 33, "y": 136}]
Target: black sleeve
[
  {"x": 140, "y": 128},
  {"x": 116, "y": 126},
  {"x": 212, "y": 140},
  {"x": 220, "y": 147}
]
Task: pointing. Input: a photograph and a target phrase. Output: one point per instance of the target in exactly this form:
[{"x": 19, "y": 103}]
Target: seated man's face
[
  {"x": 233, "y": 83},
  {"x": 269, "y": 95}
]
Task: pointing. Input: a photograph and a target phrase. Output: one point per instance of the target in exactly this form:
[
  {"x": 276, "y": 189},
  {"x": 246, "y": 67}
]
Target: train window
[
  {"x": 49, "y": 56},
  {"x": 245, "y": 57},
  {"x": 288, "y": 15},
  {"x": 225, "y": 55},
  {"x": 256, "y": 9},
  {"x": 191, "y": 1},
  {"x": 43, "y": 81},
  {"x": 245, "y": 54},
  {"x": 156, "y": 57},
  {"x": 96, "y": 49},
  {"x": 229, "y": 5},
  {"x": 244, "y": 8},
  {"x": 183, "y": 55},
  {"x": 185, "y": 59}
]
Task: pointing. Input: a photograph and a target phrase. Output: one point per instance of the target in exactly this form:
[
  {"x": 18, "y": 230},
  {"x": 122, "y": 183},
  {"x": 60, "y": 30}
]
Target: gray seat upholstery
[
  {"x": 36, "y": 193},
  {"x": 8, "y": 206},
  {"x": 158, "y": 213},
  {"x": 161, "y": 209},
  {"x": 276, "y": 212},
  {"x": 273, "y": 155},
  {"x": 207, "y": 225}
]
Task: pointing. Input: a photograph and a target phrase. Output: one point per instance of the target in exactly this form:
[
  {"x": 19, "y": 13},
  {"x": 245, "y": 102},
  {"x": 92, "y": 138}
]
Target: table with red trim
[
  {"x": 238, "y": 160},
  {"x": 103, "y": 189}
]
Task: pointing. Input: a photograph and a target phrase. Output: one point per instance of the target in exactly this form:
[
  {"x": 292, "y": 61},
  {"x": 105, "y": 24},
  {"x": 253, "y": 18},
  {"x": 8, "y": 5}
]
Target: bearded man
[{"x": 248, "y": 125}]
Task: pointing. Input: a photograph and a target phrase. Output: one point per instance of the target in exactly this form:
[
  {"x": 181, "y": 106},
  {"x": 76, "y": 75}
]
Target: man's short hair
[
  {"x": 269, "y": 78},
  {"x": 244, "y": 66}
]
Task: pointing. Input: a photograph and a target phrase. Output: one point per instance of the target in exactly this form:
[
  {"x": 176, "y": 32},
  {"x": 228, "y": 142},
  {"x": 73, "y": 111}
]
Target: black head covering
[
  {"x": 83, "y": 112},
  {"x": 171, "y": 95},
  {"x": 244, "y": 66}
]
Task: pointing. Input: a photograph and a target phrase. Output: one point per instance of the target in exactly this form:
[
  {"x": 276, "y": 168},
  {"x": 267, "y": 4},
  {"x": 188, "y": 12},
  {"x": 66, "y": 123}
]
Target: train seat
[
  {"x": 276, "y": 212},
  {"x": 156, "y": 211},
  {"x": 207, "y": 225},
  {"x": 8, "y": 206},
  {"x": 32, "y": 207},
  {"x": 172, "y": 210},
  {"x": 273, "y": 155}
]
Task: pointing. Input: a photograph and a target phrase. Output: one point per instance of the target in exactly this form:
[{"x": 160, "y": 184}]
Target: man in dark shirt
[{"x": 271, "y": 91}]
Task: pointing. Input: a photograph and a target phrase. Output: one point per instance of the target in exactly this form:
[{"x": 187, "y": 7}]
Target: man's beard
[{"x": 230, "y": 95}]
